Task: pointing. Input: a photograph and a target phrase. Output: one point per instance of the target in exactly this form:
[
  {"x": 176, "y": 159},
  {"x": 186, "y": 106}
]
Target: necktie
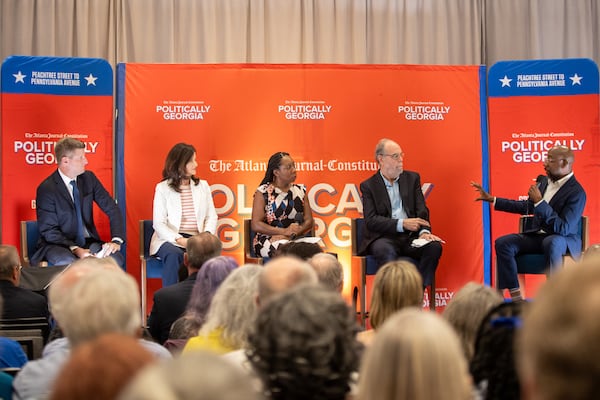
[{"x": 80, "y": 240}]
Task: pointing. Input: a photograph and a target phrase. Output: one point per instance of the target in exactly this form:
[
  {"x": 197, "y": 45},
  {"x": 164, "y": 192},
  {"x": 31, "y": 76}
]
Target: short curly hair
[{"x": 304, "y": 345}]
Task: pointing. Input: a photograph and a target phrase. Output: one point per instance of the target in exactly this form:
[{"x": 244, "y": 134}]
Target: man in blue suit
[
  {"x": 395, "y": 214},
  {"x": 64, "y": 206},
  {"x": 556, "y": 201}
]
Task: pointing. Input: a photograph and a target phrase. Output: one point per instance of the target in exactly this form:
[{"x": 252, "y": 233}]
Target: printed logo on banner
[
  {"x": 304, "y": 109},
  {"x": 178, "y": 110},
  {"x": 424, "y": 110},
  {"x": 333, "y": 165}
]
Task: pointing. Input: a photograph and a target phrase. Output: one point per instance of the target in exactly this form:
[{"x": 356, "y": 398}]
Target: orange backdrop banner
[{"x": 329, "y": 118}]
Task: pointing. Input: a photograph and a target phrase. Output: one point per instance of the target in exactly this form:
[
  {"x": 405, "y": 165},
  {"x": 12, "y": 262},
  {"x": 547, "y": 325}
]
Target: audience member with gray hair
[
  {"x": 466, "y": 311},
  {"x": 191, "y": 376},
  {"x": 231, "y": 313},
  {"x": 18, "y": 302},
  {"x": 329, "y": 271},
  {"x": 303, "y": 345},
  {"x": 86, "y": 301}
]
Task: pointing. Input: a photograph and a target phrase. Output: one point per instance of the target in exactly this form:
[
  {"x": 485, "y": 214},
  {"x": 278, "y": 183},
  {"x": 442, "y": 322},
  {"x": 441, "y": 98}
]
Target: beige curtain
[{"x": 302, "y": 31}]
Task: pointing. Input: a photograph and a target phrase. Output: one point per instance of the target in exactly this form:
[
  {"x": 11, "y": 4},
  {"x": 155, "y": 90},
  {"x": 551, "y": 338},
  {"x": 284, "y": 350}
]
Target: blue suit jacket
[
  {"x": 560, "y": 216},
  {"x": 56, "y": 217},
  {"x": 377, "y": 209}
]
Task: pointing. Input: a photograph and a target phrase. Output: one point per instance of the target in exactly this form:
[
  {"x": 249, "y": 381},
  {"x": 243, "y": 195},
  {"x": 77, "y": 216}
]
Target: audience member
[
  {"x": 329, "y": 271},
  {"x": 281, "y": 274},
  {"x": 466, "y": 311},
  {"x": 18, "y": 302},
  {"x": 64, "y": 208},
  {"x": 100, "y": 368},
  {"x": 184, "y": 328},
  {"x": 183, "y": 207},
  {"x": 280, "y": 210},
  {"x": 556, "y": 201},
  {"x": 303, "y": 345},
  {"x": 278, "y": 276},
  {"x": 302, "y": 250},
  {"x": 192, "y": 376},
  {"x": 558, "y": 347},
  {"x": 416, "y": 355},
  {"x": 113, "y": 308},
  {"x": 170, "y": 302},
  {"x": 493, "y": 366},
  {"x": 210, "y": 277},
  {"x": 231, "y": 313},
  {"x": 11, "y": 352},
  {"x": 395, "y": 214},
  {"x": 397, "y": 285}
]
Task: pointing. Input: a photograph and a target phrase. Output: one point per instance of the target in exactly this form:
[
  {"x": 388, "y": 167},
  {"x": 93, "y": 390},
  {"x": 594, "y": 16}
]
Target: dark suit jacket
[
  {"x": 377, "y": 209},
  {"x": 22, "y": 303},
  {"x": 56, "y": 217},
  {"x": 560, "y": 217},
  {"x": 169, "y": 304}
]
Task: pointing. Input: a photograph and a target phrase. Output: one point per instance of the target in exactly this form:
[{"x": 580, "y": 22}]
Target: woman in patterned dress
[{"x": 280, "y": 210}]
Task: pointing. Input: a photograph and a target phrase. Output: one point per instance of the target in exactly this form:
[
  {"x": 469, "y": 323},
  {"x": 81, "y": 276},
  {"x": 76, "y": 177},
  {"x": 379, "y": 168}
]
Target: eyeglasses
[
  {"x": 19, "y": 267},
  {"x": 395, "y": 156}
]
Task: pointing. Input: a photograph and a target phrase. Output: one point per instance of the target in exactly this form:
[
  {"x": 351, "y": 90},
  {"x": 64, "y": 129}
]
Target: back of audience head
[
  {"x": 493, "y": 366},
  {"x": 201, "y": 248},
  {"x": 303, "y": 345},
  {"x": 101, "y": 368},
  {"x": 558, "y": 346},
  {"x": 329, "y": 271},
  {"x": 233, "y": 307},
  {"x": 302, "y": 250},
  {"x": 416, "y": 355},
  {"x": 281, "y": 274},
  {"x": 212, "y": 274},
  {"x": 398, "y": 284},
  {"x": 466, "y": 311},
  {"x": 192, "y": 376},
  {"x": 113, "y": 307},
  {"x": 9, "y": 263}
]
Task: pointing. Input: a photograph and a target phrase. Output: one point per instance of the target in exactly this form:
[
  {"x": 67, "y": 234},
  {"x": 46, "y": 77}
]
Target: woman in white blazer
[{"x": 183, "y": 207}]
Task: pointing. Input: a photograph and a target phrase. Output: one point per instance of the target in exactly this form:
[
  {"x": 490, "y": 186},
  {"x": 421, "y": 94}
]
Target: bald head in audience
[
  {"x": 281, "y": 274},
  {"x": 329, "y": 271}
]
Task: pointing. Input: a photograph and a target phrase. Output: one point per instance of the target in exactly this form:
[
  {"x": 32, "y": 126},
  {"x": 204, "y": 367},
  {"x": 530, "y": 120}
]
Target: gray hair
[
  {"x": 233, "y": 308},
  {"x": 101, "y": 301},
  {"x": 379, "y": 148},
  {"x": 178, "y": 379},
  {"x": 329, "y": 270},
  {"x": 9, "y": 259}
]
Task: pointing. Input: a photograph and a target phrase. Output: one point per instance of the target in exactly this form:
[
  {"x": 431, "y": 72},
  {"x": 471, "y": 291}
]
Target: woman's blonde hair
[
  {"x": 398, "y": 284},
  {"x": 416, "y": 355}
]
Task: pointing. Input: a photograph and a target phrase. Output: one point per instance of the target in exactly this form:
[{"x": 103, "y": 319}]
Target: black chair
[
  {"x": 250, "y": 256},
  {"x": 535, "y": 263},
  {"x": 31, "y": 340},
  {"x": 32, "y": 323},
  {"x": 30, "y": 235},
  {"x": 362, "y": 266},
  {"x": 150, "y": 266}
]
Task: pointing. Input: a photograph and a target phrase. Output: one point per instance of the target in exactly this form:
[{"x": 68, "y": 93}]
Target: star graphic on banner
[
  {"x": 505, "y": 81},
  {"x": 19, "y": 77},
  {"x": 576, "y": 79},
  {"x": 91, "y": 79}
]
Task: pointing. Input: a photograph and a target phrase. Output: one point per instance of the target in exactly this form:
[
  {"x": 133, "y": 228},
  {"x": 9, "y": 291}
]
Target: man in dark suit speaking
[
  {"x": 64, "y": 205},
  {"x": 556, "y": 201},
  {"x": 395, "y": 214}
]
